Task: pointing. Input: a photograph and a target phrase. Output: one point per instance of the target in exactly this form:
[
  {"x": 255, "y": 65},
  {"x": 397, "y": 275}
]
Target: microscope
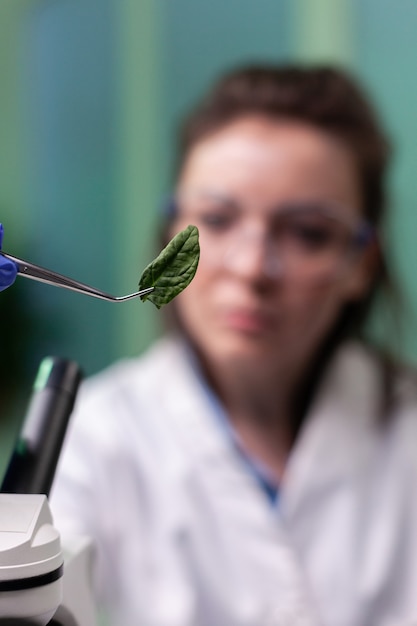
[{"x": 42, "y": 579}]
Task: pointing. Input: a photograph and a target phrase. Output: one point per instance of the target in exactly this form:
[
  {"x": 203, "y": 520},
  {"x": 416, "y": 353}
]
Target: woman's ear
[{"x": 363, "y": 271}]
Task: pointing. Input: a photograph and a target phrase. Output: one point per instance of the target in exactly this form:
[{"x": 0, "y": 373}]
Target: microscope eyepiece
[{"x": 32, "y": 466}]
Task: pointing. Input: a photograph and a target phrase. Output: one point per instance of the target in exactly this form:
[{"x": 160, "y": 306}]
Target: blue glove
[{"x": 8, "y": 269}]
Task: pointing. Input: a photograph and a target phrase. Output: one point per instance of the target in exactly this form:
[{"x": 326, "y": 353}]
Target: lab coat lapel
[
  {"x": 328, "y": 490},
  {"x": 235, "y": 517},
  {"x": 336, "y": 440},
  {"x": 339, "y": 433}
]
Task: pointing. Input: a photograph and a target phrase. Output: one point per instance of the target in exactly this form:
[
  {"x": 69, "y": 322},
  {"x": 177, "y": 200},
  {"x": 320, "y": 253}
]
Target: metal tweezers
[{"x": 43, "y": 275}]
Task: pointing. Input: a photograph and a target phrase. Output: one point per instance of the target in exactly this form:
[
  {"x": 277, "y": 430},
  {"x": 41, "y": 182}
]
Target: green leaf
[{"x": 173, "y": 269}]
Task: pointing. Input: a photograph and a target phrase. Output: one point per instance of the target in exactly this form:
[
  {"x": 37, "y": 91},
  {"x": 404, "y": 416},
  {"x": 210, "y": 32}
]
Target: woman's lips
[{"x": 248, "y": 321}]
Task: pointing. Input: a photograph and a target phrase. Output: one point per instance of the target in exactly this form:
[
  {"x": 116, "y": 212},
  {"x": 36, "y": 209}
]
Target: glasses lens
[
  {"x": 218, "y": 221},
  {"x": 312, "y": 243},
  {"x": 306, "y": 242}
]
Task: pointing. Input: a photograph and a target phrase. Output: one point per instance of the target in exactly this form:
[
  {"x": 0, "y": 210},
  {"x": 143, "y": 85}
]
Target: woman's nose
[{"x": 252, "y": 254}]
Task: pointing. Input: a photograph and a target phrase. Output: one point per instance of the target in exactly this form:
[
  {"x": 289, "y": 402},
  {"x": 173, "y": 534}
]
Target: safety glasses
[{"x": 306, "y": 240}]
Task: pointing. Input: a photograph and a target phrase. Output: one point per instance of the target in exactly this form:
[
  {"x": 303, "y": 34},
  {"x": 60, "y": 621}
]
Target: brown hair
[{"x": 324, "y": 97}]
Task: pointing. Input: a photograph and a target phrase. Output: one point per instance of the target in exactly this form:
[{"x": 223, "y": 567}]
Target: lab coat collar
[{"x": 334, "y": 442}]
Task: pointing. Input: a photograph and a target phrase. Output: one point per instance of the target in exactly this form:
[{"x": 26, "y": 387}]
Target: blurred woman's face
[{"x": 278, "y": 208}]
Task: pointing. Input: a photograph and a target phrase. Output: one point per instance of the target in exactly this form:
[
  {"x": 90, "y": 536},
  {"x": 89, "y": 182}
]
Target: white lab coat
[{"x": 186, "y": 536}]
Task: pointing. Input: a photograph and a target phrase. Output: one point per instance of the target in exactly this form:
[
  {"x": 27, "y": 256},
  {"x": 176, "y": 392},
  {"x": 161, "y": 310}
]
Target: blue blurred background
[{"x": 91, "y": 92}]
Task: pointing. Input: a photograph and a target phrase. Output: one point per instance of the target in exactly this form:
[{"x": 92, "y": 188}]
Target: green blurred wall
[
  {"x": 12, "y": 131},
  {"x": 323, "y": 31},
  {"x": 386, "y": 59},
  {"x": 139, "y": 153}
]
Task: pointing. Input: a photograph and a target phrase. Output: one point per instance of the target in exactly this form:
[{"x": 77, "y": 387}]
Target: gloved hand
[{"x": 8, "y": 269}]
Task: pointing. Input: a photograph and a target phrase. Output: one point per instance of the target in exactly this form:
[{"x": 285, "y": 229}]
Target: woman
[{"x": 255, "y": 467}]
